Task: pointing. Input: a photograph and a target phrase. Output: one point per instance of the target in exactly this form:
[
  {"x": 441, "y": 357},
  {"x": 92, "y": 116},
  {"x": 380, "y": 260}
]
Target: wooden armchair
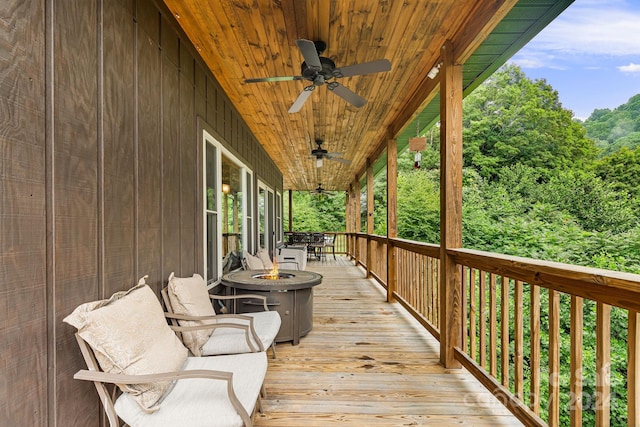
[
  {"x": 128, "y": 343},
  {"x": 187, "y": 302}
]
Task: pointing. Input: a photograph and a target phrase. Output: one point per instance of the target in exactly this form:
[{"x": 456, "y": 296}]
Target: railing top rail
[
  {"x": 428, "y": 249},
  {"x": 610, "y": 287}
]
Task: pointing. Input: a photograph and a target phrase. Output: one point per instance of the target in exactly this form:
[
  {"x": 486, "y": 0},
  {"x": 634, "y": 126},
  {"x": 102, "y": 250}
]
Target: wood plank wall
[{"x": 99, "y": 159}]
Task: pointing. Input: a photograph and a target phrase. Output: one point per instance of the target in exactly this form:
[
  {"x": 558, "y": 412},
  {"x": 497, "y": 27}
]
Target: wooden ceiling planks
[{"x": 241, "y": 39}]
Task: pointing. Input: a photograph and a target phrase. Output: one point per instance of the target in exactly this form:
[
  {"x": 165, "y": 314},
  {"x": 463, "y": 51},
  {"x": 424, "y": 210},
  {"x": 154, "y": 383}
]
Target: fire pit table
[{"x": 290, "y": 293}]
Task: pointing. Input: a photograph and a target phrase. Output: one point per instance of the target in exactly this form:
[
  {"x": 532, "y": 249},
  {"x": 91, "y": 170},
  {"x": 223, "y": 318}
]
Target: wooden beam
[
  {"x": 392, "y": 215},
  {"x": 450, "y": 203}
]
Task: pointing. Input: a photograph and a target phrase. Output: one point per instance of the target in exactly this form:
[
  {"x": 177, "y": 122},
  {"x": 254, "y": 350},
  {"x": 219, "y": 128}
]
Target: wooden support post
[
  {"x": 450, "y": 203},
  {"x": 554, "y": 359},
  {"x": 370, "y": 208},
  {"x": 347, "y": 216},
  {"x": 603, "y": 364},
  {"x": 356, "y": 219},
  {"x": 392, "y": 216},
  {"x": 290, "y": 211},
  {"x": 575, "y": 383},
  {"x": 633, "y": 369}
]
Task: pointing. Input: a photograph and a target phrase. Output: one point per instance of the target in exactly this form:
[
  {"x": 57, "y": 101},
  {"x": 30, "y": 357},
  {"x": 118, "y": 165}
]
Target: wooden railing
[{"x": 524, "y": 324}]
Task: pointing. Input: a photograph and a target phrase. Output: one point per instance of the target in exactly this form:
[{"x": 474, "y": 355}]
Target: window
[
  {"x": 249, "y": 212},
  {"x": 265, "y": 217},
  {"x": 212, "y": 262},
  {"x": 227, "y": 207},
  {"x": 278, "y": 218}
]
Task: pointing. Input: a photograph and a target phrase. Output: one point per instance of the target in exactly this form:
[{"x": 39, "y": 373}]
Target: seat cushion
[
  {"x": 203, "y": 402},
  {"x": 189, "y": 295},
  {"x": 230, "y": 341},
  {"x": 129, "y": 335}
]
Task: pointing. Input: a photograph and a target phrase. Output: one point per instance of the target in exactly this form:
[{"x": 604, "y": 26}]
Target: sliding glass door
[{"x": 228, "y": 221}]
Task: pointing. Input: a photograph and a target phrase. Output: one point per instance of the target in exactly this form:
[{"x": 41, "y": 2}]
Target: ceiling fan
[
  {"x": 320, "y": 70},
  {"x": 320, "y": 153},
  {"x": 320, "y": 191}
]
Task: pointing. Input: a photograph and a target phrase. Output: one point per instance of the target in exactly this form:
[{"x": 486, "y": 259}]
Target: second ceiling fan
[
  {"x": 320, "y": 70},
  {"x": 320, "y": 153}
]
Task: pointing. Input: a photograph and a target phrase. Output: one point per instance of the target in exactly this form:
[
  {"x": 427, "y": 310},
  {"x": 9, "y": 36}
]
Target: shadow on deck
[{"x": 368, "y": 363}]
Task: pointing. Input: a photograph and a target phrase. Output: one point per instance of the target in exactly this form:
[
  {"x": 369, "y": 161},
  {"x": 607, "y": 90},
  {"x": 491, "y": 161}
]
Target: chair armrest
[
  {"x": 105, "y": 377},
  {"x": 231, "y": 297},
  {"x": 294, "y": 263},
  {"x": 248, "y": 329}
]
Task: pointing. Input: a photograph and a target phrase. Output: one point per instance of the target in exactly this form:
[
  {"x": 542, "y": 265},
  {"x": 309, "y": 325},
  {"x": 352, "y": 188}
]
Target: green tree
[
  {"x": 614, "y": 129},
  {"x": 419, "y": 206},
  {"x": 510, "y": 119},
  {"x": 622, "y": 170}
]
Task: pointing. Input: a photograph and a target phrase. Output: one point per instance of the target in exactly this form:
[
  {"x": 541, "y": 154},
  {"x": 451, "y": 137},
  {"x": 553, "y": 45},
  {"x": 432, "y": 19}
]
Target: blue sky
[{"x": 590, "y": 54}]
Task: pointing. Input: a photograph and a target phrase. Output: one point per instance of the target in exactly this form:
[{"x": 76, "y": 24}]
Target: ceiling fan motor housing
[{"x": 325, "y": 73}]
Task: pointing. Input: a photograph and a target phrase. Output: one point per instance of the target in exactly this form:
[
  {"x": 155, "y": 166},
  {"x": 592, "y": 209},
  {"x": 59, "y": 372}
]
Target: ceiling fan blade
[
  {"x": 300, "y": 100},
  {"x": 334, "y": 154},
  {"x": 339, "y": 159},
  {"x": 273, "y": 79},
  {"x": 365, "y": 68},
  {"x": 346, "y": 94},
  {"x": 310, "y": 54}
]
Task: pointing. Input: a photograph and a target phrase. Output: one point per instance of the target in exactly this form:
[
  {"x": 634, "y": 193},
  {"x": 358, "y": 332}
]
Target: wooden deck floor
[{"x": 366, "y": 363}]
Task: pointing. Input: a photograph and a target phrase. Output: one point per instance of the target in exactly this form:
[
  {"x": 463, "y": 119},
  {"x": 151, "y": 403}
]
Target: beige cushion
[
  {"x": 264, "y": 257},
  {"x": 204, "y": 402},
  {"x": 190, "y": 296},
  {"x": 253, "y": 262},
  {"x": 129, "y": 335}
]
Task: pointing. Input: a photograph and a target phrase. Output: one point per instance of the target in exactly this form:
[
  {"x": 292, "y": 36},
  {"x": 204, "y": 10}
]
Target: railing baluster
[
  {"x": 504, "y": 330},
  {"x": 554, "y": 358},
  {"x": 483, "y": 320},
  {"x": 603, "y": 364},
  {"x": 576, "y": 361},
  {"x": 472, "y": 313},
  {"x": 493, "y": 322},
  {"x": 463, "y": 305},
  {"x": 414, "y": 280},
  {"x": 633, "y": 369},
  {"x": 424, "y": 286},
  {"x": 518, "y": 369},
  {"x": 534, "y": 394},
  {"x": 436, "y": 294},
  {"x": 430, "y": 285}
]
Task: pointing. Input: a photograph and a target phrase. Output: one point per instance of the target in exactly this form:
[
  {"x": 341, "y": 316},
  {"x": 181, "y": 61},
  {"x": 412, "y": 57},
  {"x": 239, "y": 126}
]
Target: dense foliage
[
  {"x": 537, "y": 183},
  {"x": 512, "y": 120},
  {"x": 614, "y": 129}
]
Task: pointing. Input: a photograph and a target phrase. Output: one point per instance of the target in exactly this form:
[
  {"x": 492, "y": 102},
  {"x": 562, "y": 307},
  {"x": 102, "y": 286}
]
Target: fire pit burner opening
[{"x": 269, "y": 276}]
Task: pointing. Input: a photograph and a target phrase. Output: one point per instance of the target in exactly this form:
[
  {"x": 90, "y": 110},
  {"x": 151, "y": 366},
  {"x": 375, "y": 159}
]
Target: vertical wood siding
[{"x": 99, "y": 179}]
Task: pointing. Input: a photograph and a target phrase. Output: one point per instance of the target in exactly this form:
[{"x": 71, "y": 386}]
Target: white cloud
[
  {"x": 585, "y": 30},
  {"x": 591, "y": 28},
  {"x": 631, "y": 68}
]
